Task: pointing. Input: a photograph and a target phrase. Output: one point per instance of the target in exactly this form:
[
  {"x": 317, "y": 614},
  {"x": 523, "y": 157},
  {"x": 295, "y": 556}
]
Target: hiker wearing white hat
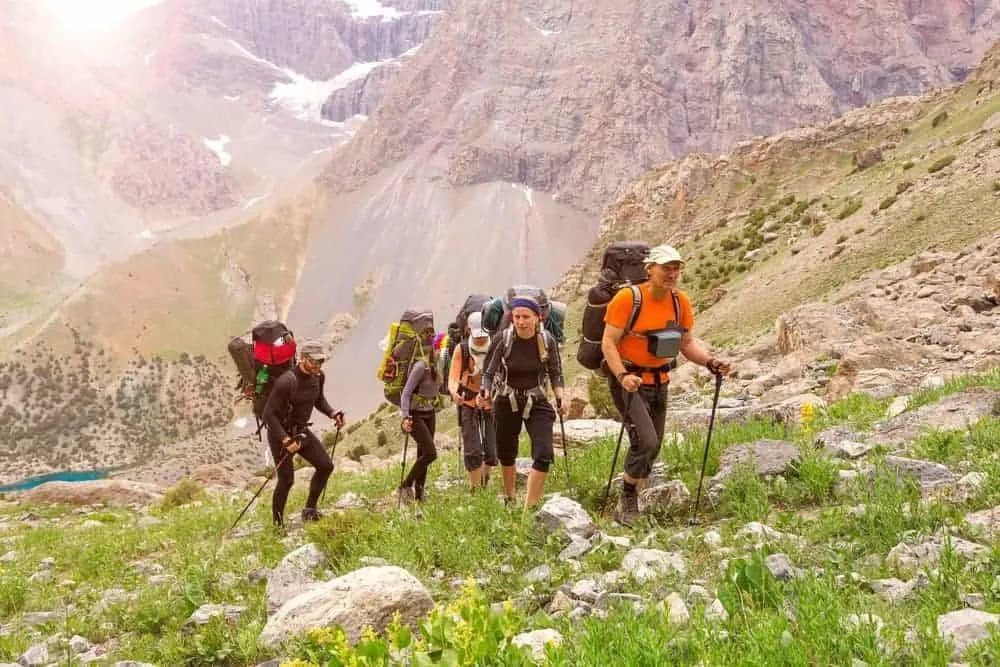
[
  {"x": 646, "y": 327},
  {"x": 465, "y": 374}
]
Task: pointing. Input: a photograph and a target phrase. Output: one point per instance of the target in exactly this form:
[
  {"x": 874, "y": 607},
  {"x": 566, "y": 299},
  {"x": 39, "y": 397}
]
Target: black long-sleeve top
[
  {"x": 547, "y": 373},
  {"x": 292, "y": 400}
]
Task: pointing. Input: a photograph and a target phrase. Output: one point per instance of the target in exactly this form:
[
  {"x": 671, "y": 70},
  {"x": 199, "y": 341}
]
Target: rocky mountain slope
[{"x": 191, "y": 117}]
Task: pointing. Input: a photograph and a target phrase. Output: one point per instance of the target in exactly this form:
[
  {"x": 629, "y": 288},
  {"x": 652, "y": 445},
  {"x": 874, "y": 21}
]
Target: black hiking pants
[
  {"x": 538, "y": 421},
  {"x": 479, "y": 437},
  {"x": 645, "y": 422},
  {"x": 312, "y": 451},
  {"x": 423, "y": 436}
]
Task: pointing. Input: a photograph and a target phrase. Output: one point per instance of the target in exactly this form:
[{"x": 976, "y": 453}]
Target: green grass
[
  {"x": 462, "y": 536},
  {"x": 989, "y": 379}
]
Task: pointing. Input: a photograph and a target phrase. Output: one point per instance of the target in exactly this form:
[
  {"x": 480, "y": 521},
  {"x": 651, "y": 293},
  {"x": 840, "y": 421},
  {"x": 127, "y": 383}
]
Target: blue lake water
[{"x": 66, "y": 476}]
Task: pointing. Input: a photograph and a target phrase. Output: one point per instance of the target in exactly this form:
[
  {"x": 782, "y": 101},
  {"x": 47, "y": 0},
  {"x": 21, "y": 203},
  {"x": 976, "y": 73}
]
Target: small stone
[
  {"x": 620, "y": 541},
  {"x": 42, "y": 617},
  {"x": 9, "y": 557},
  {"x": 538, "y": 574},
  {"x": 205, "y": 613},
  {"x": 79, "y": 644},
  {"x": 536, "y": 641},
  {"x": 577, "y": 547},
  {"x": 586, "y": 590},
  {"x": 35, "y": 656},
  {"x": 780, "y": 566},
  {"x": 560, "y": 512},
  {"x": 42, "y": 577},
  {"x": 647, "y": 564},
  {"x": 90, "y": 524},
  {"x": 965, "y": 627},
  {"x": 677, "y": 611},
  {"x": 561, "y": 602},
  {"x": 975, "y": 600},
  {"x": 372, "y": 561},
  {"x": 698, "y": 592},
  {"x": 786, "y": 639},
  {"x": 47, "y": 563},
  {"x": 717, "y": 612},
  {"x": 712, "y": 539}
]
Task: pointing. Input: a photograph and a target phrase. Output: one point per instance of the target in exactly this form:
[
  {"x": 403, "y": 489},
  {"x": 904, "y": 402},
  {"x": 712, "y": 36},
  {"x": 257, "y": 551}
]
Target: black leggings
[
  {"x": 539, "y": 423},
  {"x": 312, "y": 451},
  {"x": 423, "y": 436}
]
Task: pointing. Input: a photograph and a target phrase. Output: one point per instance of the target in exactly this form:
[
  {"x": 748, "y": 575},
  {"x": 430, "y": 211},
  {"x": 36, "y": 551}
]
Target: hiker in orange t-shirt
[{"x": 637, "y": 374}]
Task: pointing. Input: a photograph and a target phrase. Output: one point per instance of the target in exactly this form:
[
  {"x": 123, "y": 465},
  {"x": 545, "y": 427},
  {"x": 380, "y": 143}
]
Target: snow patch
[
  {"x": 145, "y": 234},
  {"x": 241, "y": 422},
  {"x": 216, "y": 20},
  {"x": 149, "y": 57},
  {"x": 231, "y": 98},
  {"x": 365, "y": 9},
  {"x": 254, "y": 200},
  {"x": 248, "y": 54},
  {"x": 305, "y": 97},
  {"x": 529, "y": 194},
  {"x": 218, "y": 146}
]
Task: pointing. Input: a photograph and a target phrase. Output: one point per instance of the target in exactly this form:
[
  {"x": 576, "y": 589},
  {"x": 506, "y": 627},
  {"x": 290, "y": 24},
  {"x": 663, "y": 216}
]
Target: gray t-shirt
[{"x": 419, "y": 382}]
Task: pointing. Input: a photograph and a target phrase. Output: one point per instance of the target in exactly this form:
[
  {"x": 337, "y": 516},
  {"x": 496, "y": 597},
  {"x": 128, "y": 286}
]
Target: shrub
[
  {"x": 941, "y": 163},
  {"x": 787, "y": 200},
  {"x": 184, "y": 492},
  {"x": 730, "y": 243},
  {"x": 841, "y": 238},
  {"x": 745, "y": 495},
  {"x": 886, "y": 203},
  {"x": 940, "y": 118},
  {"x": 996, "y": 186},
  {"x": 599, "y": 397},
  {"x": 908, "y": 165},
  {"x": 851, "y": 206}
]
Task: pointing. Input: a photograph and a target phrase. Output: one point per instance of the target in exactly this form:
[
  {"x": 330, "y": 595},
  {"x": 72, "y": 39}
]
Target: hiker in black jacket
[{"x": 286, "y": 416}]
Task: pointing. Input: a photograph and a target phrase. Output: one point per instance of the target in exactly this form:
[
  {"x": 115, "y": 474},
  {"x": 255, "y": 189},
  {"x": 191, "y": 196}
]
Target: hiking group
[{"x": 499, "y": 362}]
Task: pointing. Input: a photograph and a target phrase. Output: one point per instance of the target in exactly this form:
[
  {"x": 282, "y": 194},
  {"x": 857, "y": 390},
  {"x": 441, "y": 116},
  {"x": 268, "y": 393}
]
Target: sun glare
[{"x": 84, "y": 16}]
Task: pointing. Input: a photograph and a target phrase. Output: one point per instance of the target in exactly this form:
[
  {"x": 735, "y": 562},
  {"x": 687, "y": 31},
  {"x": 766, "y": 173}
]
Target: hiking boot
[
  {"x": 628, "y": 509},
  {"x": 405, "y": 494},
  {"x": 311, "y": 514}
]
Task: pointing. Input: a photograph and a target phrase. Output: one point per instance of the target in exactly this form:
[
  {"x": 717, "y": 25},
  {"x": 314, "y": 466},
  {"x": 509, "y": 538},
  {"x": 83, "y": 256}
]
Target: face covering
[{"x": 479, "y": 353}]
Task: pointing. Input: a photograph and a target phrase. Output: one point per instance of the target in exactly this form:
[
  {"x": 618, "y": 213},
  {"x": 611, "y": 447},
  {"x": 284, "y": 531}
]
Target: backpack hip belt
[{"x": 521, "y": 400}]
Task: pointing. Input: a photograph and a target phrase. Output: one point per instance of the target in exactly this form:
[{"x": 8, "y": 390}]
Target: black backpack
[
  {"x": 621, "y": 266},
  {"x": 457, "y": 335}
]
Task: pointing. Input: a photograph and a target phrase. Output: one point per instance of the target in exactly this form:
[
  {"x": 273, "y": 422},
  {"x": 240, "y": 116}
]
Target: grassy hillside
[
  {"x": 789, "y": 219},
  {"x": 99, "y": 582}
]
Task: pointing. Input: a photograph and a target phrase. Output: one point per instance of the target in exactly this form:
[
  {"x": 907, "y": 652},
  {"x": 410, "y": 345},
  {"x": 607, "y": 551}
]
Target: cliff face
[{"x": 576, "y": 100}]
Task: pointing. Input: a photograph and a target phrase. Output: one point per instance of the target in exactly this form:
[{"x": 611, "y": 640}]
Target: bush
[
  {"x": 996, "y": 186},
  {"x": 886, "y": 203},
  {"x": 184, "y": 492},
  {"x": 940, "y": 118},
  {"x": 599, "y": 397},
  {"x": 903, "y": 187},
  {"x": 851, "y": 206},
  {"x": 941, "y": 163}
]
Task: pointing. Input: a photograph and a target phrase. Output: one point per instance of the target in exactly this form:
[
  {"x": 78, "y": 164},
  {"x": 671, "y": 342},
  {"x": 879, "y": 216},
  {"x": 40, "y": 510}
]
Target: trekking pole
[
  {"x": 333, "y": 448},
  {"x": 565, "y": 442},
  {"x": 704, "y": 458},
  {"x": 402, "y": 471},
  {"x": 273, "y": 472},
  {"x": 614, "y": 461}
]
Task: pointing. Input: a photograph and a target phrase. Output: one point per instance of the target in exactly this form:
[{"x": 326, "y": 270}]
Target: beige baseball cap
[{"x": 663, "y": 254}]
